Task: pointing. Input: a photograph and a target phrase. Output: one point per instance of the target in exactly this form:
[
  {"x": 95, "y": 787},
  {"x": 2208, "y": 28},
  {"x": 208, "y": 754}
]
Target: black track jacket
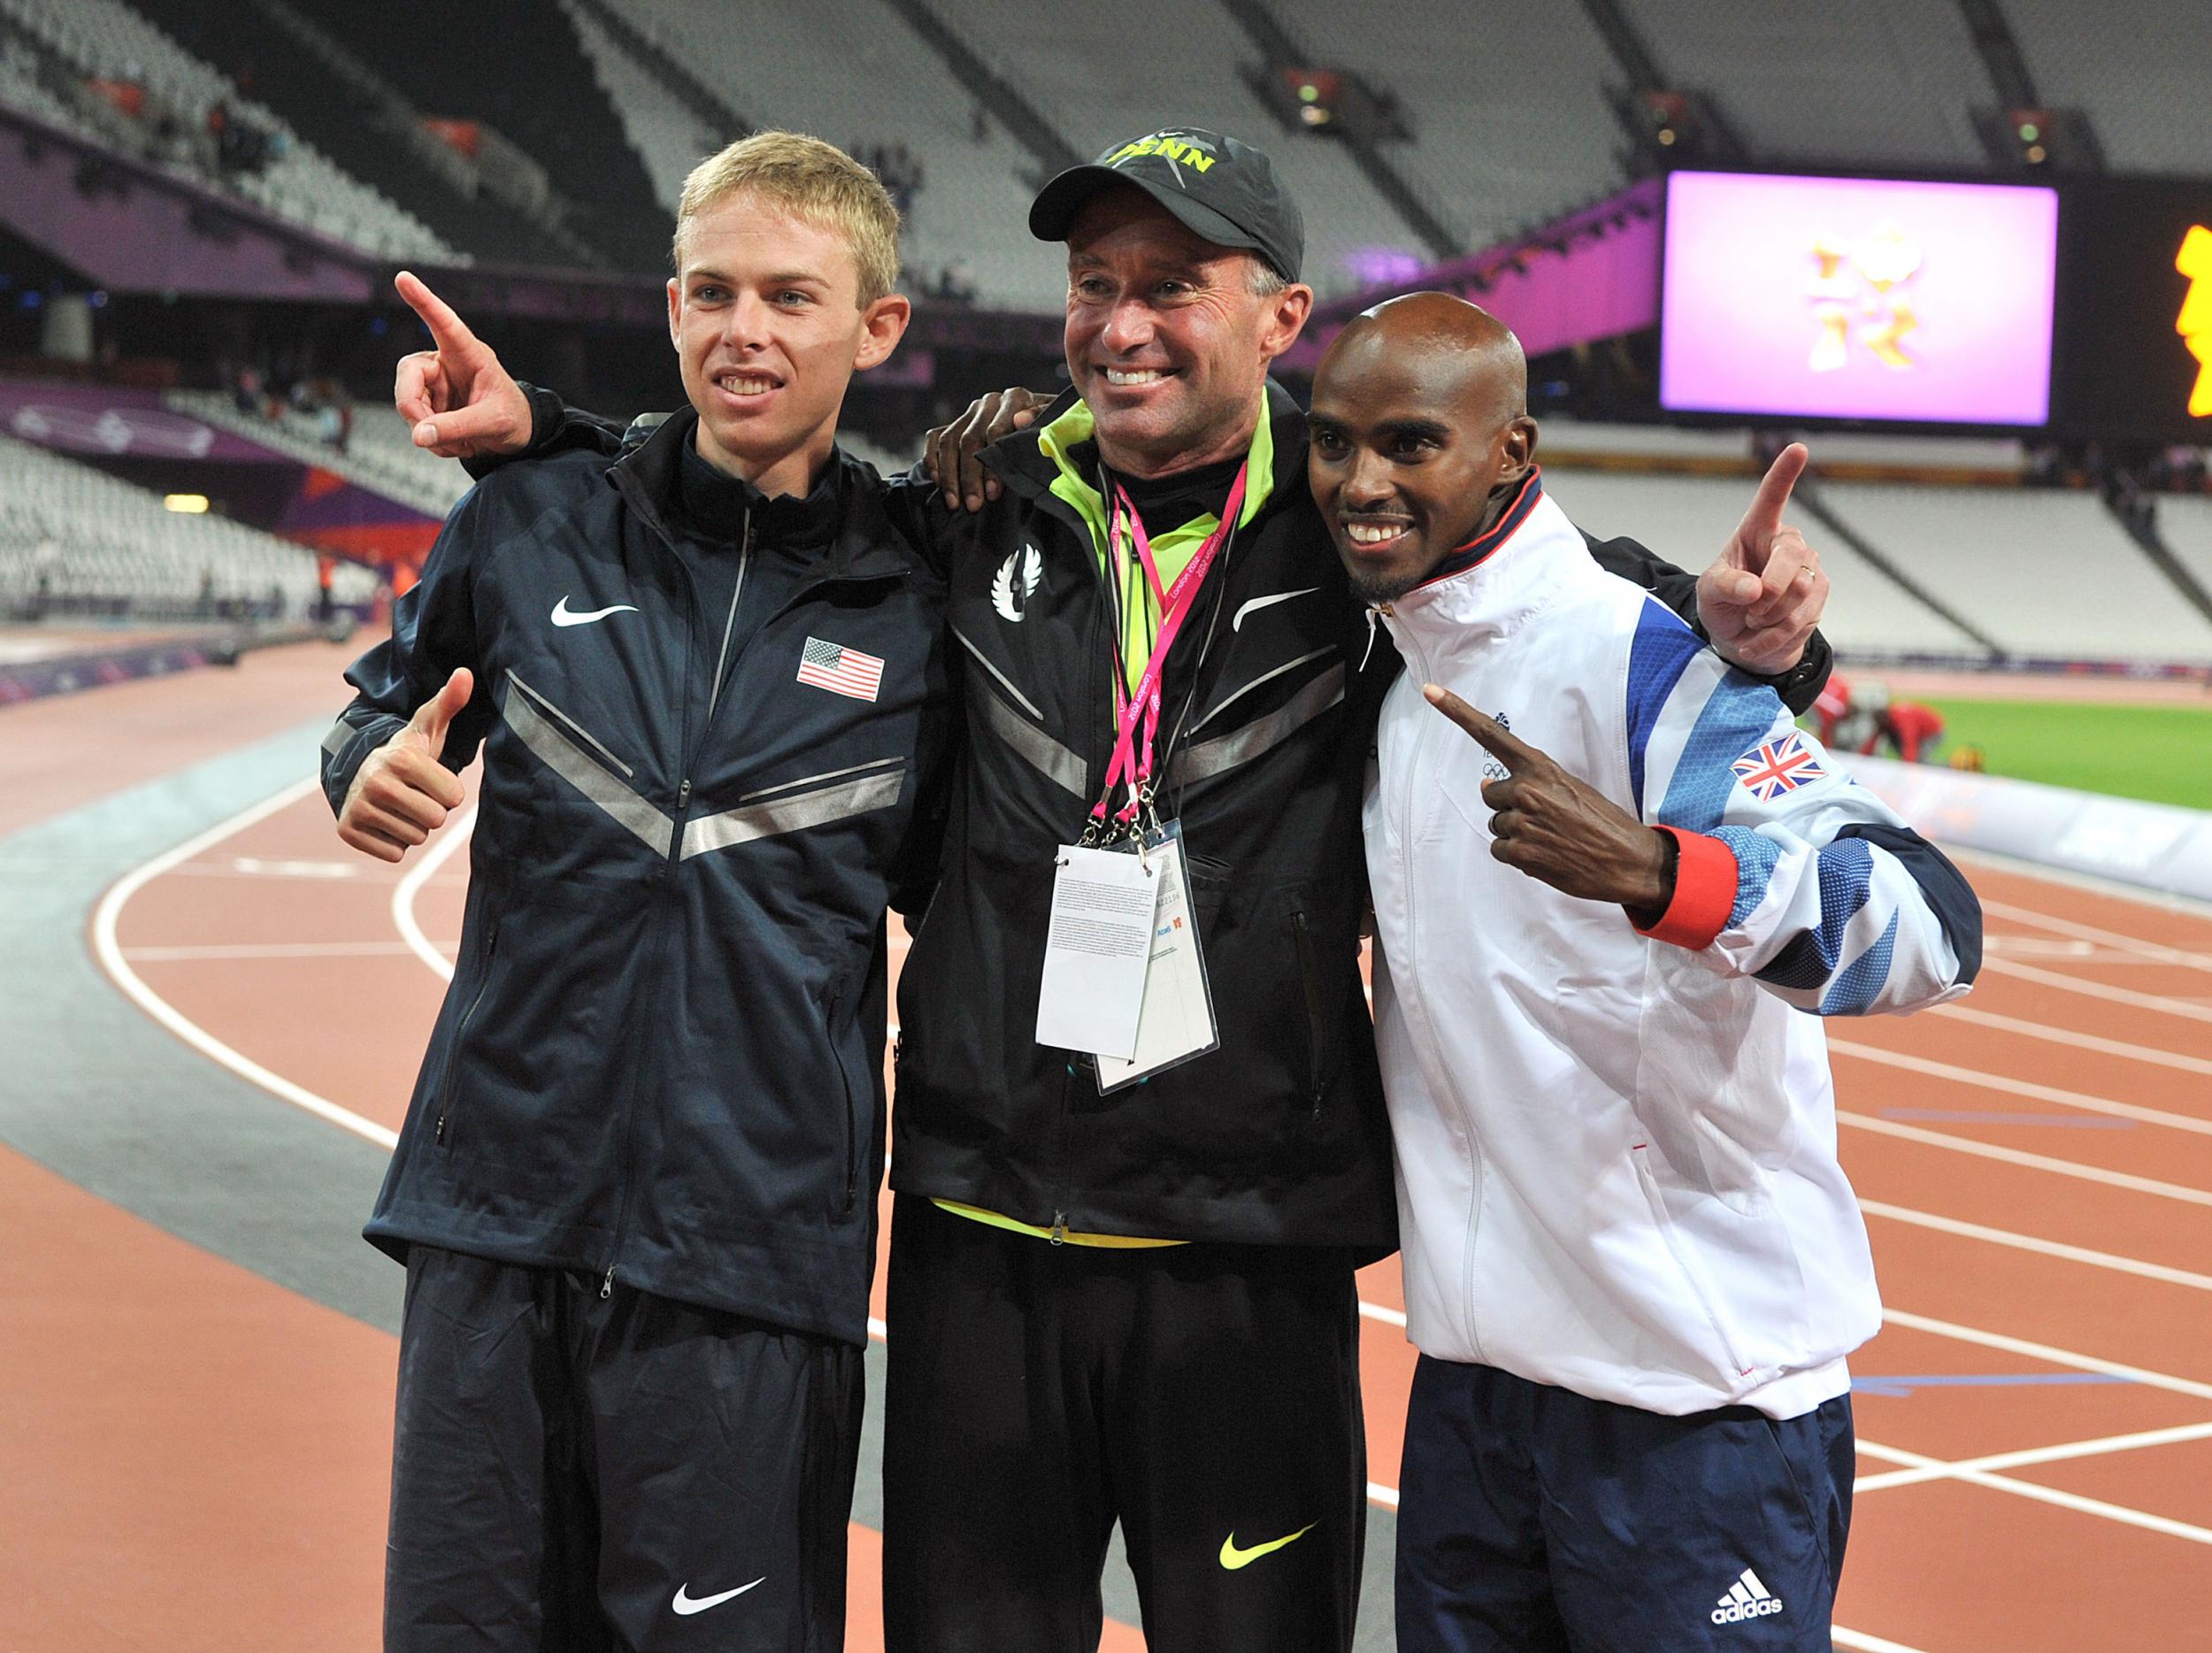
[{"x": 661, "y": 1058}]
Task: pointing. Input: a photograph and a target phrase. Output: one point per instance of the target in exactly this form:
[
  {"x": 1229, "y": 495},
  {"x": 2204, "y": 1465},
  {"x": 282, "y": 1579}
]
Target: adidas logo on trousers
[{"x": 1747, "y": 1598}]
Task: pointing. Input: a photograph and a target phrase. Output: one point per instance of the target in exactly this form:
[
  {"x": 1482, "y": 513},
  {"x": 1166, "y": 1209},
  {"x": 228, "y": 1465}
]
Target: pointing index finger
[
  {"x": 447, "y": 329},
  {"x": 1493, "y": 736},
  {"x": 1763, "y": 520}
]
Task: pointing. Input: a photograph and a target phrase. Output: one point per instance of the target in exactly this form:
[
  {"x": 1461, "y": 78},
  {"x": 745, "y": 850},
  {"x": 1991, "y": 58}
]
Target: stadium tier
[
  {"x": 379, "y": 453},
  {"x": 2137, "y": 67},
  {"x": 75, "y": 540},
  {"x": 2047, "y": 574},
  {"x": 1881, "y": 83},
  {"x": 110, "y": 73},
  {"x": 1498, "y": 151},
  {"x": 2186, "y": 525}
]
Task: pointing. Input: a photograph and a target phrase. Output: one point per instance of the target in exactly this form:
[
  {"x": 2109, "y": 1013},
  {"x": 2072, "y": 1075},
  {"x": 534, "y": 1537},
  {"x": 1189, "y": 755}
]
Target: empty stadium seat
[
  {"x": 2139, "y": 67},
  {"x": 82, "y": 539}
]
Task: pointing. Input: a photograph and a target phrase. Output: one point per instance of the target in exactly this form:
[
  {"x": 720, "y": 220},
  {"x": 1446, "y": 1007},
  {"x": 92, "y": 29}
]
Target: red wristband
[{"x": 1705, "y": 882}]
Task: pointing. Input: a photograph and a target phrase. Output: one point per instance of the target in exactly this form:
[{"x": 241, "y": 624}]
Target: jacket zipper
[
  {"x": 1312, "y": 981},
  {"x": 675, "y": 857},
  {"x": 852, "y": 1128},
  {"x": 453, "y": 1053}
]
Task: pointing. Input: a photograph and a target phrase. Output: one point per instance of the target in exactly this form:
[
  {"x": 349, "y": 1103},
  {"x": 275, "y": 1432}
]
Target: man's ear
[
  {"x": 1519, "y": 443},
  {"x": 1287, "y": 319},
  {"x": 882, "y": 325},
  {"x": 675, "y": 313}
]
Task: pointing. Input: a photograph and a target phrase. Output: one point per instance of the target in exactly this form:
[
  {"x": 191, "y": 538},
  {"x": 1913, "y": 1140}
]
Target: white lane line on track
[
  {"x": 2073, "y": 1501},
  {"x": 2038, "y": 872},
  {"x": 1859, "y": 1642},
  {"x": 1952, "y": 1469},
  {"x": 1376, "y": 1311},
  {"x": 119, "y": 970},
  {"x": 2030, "y": 1242},
  {"x": 2155, "y": 951},
  {"x": 2049, "y": 1352},
  {"x": 448, "y": 843},
  {"x": 2029, "y": 1088},
  {"x": 2021, "y": 1156},
  {"x": 2098, "y": 989},
  {"x": 217, "y": 952},
  {"x": 2081, "y": 1040}
]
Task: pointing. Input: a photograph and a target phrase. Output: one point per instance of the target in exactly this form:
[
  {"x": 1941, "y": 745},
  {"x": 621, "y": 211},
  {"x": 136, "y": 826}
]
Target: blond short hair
[{"x": 814, "y": 181}]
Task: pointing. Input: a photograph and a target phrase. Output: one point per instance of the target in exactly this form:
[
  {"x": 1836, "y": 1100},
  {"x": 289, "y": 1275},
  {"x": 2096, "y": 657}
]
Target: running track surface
[{"x": 198, "y": 1456}]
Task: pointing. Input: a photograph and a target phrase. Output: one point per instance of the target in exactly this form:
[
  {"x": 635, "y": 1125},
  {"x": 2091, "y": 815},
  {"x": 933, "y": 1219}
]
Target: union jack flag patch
[
  {"x": 840, "y": 670},
  {"x": 1778, "y": 766}
]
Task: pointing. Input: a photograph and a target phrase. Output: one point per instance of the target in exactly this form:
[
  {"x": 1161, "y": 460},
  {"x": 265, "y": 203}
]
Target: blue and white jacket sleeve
[
  {"x": 1789, "y": 871},
  {"x": 433, "y": 633}
]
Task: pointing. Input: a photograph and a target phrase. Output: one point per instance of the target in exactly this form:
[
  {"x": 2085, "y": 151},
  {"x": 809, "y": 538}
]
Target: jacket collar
[
  {"x": 844, "y": 513},
  {"x": 1497, "y": 581}
]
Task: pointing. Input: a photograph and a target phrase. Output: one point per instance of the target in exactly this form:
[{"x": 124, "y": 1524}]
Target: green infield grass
[{"x": 2163, "y": 753}]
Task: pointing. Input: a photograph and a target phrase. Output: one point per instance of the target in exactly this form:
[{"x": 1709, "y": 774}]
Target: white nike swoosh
[
  {"x": 686, "y": 1604},
  {"x": 562, "y": 615},
  {"x": 1236, "y": 622}
]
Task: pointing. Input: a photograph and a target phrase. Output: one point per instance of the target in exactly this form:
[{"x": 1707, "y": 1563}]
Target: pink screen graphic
[{"x": 1858, "y": 298}]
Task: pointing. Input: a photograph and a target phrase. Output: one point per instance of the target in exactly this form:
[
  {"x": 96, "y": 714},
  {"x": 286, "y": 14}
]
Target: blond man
[{"x": 634, "y": 1192}]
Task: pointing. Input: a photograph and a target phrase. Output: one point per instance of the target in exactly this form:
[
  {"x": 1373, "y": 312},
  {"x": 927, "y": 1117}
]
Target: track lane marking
[
  {"x": 134, "y": 986},
  {"x": 1859, "y": 1642},
  {"x": 2123, "y": 1514},
  {"x": 2024, "y": 1088},
  {"x": 457, "y": 833},
  {"x": 2023, "y": 1157},
  {"x": 2155, "y": 951},
  {"x": 217, "y": 952},
  {"x": 2178, "y": 1436},
  {"x": 2049, "y": 1352},
  {"x": 2067, "y": 1036},
  {"x": 2097, "y": 989},
  {"x": 2032, "y": 1242}
]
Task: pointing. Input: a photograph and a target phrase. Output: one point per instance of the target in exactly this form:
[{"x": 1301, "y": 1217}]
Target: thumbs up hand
[
  {"x": 1560, "y": 831},
  {"x": 402, "y": 793}
]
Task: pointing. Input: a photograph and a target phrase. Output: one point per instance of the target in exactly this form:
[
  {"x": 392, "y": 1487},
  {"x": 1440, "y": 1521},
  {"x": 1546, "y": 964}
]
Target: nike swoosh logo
[
  {"x": 562, "y": 615},
  {"x": 688, "y": 1604},
  {"x": 1231, "y": 1557},
  {"x": 1236, "y": 622}
]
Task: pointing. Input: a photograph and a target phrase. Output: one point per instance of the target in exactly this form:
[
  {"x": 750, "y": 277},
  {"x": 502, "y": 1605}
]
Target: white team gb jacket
[{"x": 1616, "y": 1151}]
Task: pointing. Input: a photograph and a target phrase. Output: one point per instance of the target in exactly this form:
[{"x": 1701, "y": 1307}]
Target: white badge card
[
  {"x": 1178, "y": 1019},
  {"x": 1096, "y": 949}
]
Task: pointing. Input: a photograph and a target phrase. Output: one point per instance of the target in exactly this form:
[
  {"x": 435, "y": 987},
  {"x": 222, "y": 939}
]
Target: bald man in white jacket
[{"x": 1608, "y": 915}]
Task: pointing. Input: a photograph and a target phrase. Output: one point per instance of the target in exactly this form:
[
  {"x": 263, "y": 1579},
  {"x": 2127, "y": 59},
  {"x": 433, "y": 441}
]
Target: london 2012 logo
[{"x": 2194, "y": 324}]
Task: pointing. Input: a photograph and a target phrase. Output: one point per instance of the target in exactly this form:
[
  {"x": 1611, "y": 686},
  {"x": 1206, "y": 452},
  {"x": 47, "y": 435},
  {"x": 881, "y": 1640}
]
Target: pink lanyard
[{"x": 1132, "y": 762}]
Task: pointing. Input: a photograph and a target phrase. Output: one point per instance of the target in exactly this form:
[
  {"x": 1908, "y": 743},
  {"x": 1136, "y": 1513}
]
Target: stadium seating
[
  {"x": 669, "y": 137},
  {"x": 1097, "y": 82},
  {"x": 2048, "y": 574},
  {"x": 2185, "y": 523},
  {"x": 1507, "y": 103},
  {"x": 99, "y": 545},
  {"x": 379, "y": 455},
  {"x": 2137, "y": 67},
  {"x": 295, "y": 181},
  {"x": 851, "y": 72},
  {"x": 1880, "y": 83},
  {"x": 1687, "y": 520}
]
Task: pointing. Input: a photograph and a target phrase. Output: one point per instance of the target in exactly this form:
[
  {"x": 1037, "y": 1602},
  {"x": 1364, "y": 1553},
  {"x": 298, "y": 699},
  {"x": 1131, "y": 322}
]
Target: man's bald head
[{"x": 1421, "y": 435}]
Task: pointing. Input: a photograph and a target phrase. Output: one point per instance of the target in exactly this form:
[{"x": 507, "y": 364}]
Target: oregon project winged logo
[{"x": 1016, "y": 580}]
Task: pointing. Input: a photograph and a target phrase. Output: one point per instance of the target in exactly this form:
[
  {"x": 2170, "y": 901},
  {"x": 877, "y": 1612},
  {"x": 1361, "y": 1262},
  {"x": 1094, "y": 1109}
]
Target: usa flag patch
[
  {"x": 840, "y": 670},
  {"x": 1778, "y": 766}
]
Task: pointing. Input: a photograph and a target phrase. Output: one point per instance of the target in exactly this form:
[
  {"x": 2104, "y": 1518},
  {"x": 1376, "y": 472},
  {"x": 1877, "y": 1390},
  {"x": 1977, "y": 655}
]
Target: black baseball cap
[{"x": 1216, "y": 187}]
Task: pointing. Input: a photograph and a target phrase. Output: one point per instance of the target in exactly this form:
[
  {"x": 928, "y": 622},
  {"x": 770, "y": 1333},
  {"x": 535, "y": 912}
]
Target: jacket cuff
[{"x": 1705, "y": 882}]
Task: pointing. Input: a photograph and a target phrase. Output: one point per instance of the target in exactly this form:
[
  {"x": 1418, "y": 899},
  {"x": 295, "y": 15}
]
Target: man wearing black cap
[{"x": 1137, "y": 1304}]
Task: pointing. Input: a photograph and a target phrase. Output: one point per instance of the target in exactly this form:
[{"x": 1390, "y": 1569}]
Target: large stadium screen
[
  {"x": 2135, "y": 352},
  {"x": 1857, "y": 298}
]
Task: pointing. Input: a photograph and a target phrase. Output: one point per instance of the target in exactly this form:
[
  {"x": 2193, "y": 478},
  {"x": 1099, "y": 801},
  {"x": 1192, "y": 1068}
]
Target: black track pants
[
  {"x": 575, "y": 1474},
  {"x": 1206, "y": 1397}
]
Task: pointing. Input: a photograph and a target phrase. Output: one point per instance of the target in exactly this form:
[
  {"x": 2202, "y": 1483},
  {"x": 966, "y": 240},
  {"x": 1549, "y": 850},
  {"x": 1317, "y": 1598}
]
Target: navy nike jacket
[{"x": 661, "y": 1059}]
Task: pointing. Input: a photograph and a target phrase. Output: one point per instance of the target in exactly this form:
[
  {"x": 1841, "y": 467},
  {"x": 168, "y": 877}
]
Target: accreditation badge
[
  {"x": 1176, "y": 1019},
  {"x": 1097, "y": 947}
]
